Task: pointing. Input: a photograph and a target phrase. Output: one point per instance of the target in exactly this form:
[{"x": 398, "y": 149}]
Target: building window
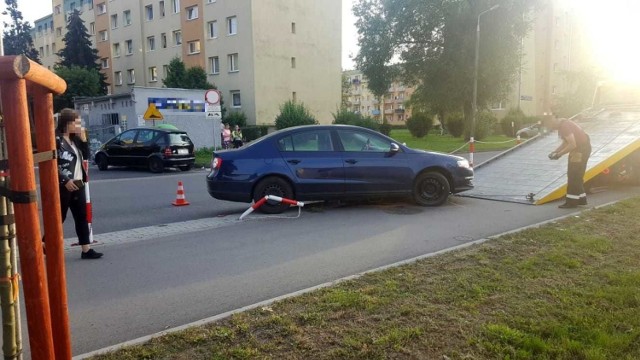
[
  {"x": 232, "y": 25},
  {"x": 103, "y": 35},
  {"x": 192, "y": 12},
  {"x": 56, "y": 10},
  {"x": 116, "y": 49},
  {"x": 102, "y": 8},
  {"x": 53, "y": 48},
  {"x": 46, "y": 50},
  {"x": 131, "y": 76},
  {"x": 41, "y": 51},
  {"x": 114, "y": 21},
  {"x": 148, "y": 11},
  {"x": 126, "y": 16},
  {"x": 161, "y": 8},
  {"x": 151, "y": 43},
  {"x": 165, "y": 70},
  {"x": 105, "y": 63},
  {"x": 163, "y": 40},
  {"x": 210, "y": 1},
  {"x": 235, "y": 99},
  {"x": 153, "y": 74},
  {"x": 58, "y": 32},
  {"x": 117, "y": 77},
  {"x": 194, "y": 47},
  {"x": 293, "y": 28},
  {"x": 294, "y": 96},
  {"x": 177, "y": 37},
  {"x": 214, "y": 65},
  {"x": 175, "y": 5},
  {"x": 92, "y": 28},
  {"x": 233, "y": 62},
  {"x": 90, "y": 2},
  {"x": 293, "y": 62},
  {"x": 128, "y": 44},
  {"x": 213, "y": 29}
]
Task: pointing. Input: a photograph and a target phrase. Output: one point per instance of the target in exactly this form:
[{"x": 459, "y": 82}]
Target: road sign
[
  {"x": 214, "y": 115},
  {"x": 212, "y": 108},
  {"x": 152, "y": 113},
  {"x": 212, "y": 96}
]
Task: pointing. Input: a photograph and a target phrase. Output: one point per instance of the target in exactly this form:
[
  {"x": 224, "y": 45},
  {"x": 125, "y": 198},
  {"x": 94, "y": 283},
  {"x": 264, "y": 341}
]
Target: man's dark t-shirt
[{"x": 568, "y": 127}]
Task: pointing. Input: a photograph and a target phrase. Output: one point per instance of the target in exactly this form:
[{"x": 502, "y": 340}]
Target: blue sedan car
[{"x": 323, "y": 162}]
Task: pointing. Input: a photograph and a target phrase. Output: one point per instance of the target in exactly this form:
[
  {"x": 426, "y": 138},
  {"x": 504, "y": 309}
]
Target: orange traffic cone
[{"x": 180, "y": 200}]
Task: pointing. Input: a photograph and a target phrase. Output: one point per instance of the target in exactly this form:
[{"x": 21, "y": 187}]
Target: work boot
[
  {"x": 91, "y": 254},
  {"x": 582, "y": 201}
]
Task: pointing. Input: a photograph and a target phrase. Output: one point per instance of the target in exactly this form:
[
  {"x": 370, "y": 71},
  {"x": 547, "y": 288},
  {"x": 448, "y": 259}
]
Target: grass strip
[{"x": 566, "y": 290}]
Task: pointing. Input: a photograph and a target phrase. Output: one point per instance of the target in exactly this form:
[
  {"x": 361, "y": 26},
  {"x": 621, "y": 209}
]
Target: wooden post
[
  {"x": 14, "y": 106},
  {"x": 56, "y": 277}
]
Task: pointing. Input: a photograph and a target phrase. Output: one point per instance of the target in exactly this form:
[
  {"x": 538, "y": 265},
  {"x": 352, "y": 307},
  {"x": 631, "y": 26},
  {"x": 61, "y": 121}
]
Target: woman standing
[
  {"x": 72, "y": 146},
  {"x": 236, "y": 134},
  {"x": 226, "y": 136}
]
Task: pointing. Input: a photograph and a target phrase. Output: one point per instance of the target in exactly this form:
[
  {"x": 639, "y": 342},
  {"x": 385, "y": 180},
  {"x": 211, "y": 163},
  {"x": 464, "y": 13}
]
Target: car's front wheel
[
  {"x": 273, "y": 186},
  {"x": 431, "y": 189},
  {"x": 102, "y": 162},
  {"x": 156, "y": 165}
]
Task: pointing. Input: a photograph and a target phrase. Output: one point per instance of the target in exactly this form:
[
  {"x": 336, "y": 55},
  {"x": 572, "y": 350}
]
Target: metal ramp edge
[{"x": 523, "y": 174}]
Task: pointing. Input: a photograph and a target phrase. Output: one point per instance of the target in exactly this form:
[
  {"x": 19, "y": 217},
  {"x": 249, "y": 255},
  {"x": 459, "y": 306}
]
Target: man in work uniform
[{"x": 577, "y": 144}]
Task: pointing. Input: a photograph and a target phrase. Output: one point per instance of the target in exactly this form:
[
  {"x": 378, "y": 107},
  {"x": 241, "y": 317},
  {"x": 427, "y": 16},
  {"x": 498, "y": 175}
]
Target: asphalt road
[{"x": 145, "y": 286}]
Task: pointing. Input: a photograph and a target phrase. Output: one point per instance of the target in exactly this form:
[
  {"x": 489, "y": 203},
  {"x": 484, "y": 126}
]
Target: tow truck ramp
[{"x": 524, "y": 174}]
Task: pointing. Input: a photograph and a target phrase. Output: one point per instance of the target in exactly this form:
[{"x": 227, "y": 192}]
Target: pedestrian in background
[
  {"x": 236, "y": 134},
  {"x": 576, "y": 143},
  {"x": 72, "y": 147},
  {"x": 226, "y": 136}
]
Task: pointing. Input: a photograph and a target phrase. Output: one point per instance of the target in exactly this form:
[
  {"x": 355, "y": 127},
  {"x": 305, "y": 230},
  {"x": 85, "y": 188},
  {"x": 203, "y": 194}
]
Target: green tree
[
  {"x": 419, "y": 124},
  {"x": 346, "y": 117},
  {"x": 197, "y": 79},
  {"x": 81, "y": 82},
  {"x": 582, "y": 85},
  {"x": 346, "y": 86},
  {"x": 78, "y": 50},
  {"x": 433, "y": 42},
  {"x": 17, "y": 34},
  {"x": 293, "y": 113},
  {"x": 178, "y": 76}
]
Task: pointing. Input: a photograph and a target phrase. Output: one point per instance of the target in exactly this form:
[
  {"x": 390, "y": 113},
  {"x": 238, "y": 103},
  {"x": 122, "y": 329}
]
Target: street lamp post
[{"x": 474, "y": 106}]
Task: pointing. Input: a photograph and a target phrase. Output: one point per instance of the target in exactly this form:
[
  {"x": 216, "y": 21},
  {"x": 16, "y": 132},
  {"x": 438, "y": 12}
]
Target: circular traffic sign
[{"x": 212, "y": 96}]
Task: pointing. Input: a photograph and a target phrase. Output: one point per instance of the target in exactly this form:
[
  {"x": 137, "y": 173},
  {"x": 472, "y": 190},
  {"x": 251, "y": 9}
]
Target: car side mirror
[{"x": 394, "y": 148}]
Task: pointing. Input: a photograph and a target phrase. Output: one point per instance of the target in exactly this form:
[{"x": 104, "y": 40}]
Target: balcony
[
  {"x": 388, "y": 111},
  {"x": 399, "y": 111}
]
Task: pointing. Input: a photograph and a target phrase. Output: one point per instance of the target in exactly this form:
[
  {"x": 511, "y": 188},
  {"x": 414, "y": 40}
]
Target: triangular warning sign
[{"x": 152, "y": 113}]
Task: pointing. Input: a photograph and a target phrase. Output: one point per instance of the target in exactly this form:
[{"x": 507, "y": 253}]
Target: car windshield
[{"x": 179, "y": 138}]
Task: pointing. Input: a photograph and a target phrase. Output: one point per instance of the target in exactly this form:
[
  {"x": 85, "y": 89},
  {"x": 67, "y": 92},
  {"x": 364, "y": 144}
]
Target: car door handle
[
  {"x": 351, "y": 161},
  {"x": 294, "y": 162}
]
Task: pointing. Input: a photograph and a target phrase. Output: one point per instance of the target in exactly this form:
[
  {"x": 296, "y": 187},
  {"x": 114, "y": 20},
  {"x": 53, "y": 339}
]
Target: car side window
[
  {"x": 319, "y": 140},
  {"x": 353, "y": 140},
  {"x": 145, "y": 136},
  {"x": 127, "y": 137}
]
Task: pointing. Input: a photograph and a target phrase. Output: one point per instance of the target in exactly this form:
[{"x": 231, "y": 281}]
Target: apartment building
[
  {"x": 362, "y": 101},
  {"x": 259, "y": 53}
]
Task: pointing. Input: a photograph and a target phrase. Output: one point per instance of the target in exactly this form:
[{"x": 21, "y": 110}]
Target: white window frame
[
  {"x": 192, "y": 12},
  {"x": 153, "y": 74},
  {"x": 175, "y": 5},
  {"x": 161, "y": 8},
  {"x": 213, "y": 29},
  {"x": 163, "y": 40},
  {"x": 148, "y": 12},
  {"x": 233, "y": 62},
  {"x": 214, "y": 65},
  {"x": 211, "y": 1},
  {"x": 131, "y": 76},
  {"x": 232, "y": 25},
  {"x": 117, "y": 78},
  {"x": 126, "y": 18},
  {"x": 177, "y": 37},
  {"x": 102, "y": 8},
  {"x": 114, "y": 21},
  {"x": 194, "y": 47},
  {"x": 104, "y": 62},
  {"x": 233, "y": 99},
  {"x": 128, "y": 44},
  {"x": 151, "y": 43},
  {"x": 116, "y": 49},
  {"x": 92, "y": 28},
  {"x": 103, "y": 35}
]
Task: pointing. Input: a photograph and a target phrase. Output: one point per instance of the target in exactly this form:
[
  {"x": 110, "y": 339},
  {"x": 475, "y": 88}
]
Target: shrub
[
  {"x": 485, "y": 124},
  {"x": 346, "y": 117},
  {"x": 455, "y": 124},
  {"x": 385, "y": 128},
  {"x": 294, "y": 114},
  {"x": 251, "y": 133},
  {"x": 419, "y": 124},
  {"x": 515, "y": 116},
  {"x": 236, "y": 118}
]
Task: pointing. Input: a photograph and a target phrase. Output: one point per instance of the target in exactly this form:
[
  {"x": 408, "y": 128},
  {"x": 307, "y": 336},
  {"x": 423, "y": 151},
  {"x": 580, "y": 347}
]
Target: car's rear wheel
[
  {"x": 186, "y": 167},
  {"x": 273, "y": 186},
  {"x": 431, "y": 189},
  {"x": 102, "y": 162},
  {"x": 156, "y": 165}
]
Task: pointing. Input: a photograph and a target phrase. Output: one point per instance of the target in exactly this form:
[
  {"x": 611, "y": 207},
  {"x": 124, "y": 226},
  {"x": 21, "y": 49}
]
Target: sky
[
  {"x": 35, "y": 9},
  {"x": 613, "y": 26}
]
